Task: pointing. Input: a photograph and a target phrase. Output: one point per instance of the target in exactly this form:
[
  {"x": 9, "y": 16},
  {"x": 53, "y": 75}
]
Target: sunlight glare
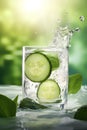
[{"x": 31, "y": 6}]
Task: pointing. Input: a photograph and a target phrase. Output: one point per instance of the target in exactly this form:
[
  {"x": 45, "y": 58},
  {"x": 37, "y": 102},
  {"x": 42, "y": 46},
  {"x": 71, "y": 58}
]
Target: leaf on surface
[
  {"x": 81, "y": 113},
  {"x": 7, "y": 107},
  {"x": 16, "y": 100},
  {"x": 29, "y": 103}
]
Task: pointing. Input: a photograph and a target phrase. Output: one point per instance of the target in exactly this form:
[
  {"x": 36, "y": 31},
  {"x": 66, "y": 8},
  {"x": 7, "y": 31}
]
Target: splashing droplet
[
  {"x": 63, "y": 34},
  {"x": 69, "y": 45},
  {"x": 77, "y": 29},
  {"x": 82, "y": 18}
]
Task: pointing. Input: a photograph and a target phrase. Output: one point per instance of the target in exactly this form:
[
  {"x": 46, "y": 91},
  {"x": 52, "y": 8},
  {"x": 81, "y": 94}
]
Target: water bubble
[
  {"x": 82, "y": 18},
  {"x": 69, "y": 46}
]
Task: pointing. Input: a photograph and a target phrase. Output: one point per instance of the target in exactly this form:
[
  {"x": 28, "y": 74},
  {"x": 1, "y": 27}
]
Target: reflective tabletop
[{"x": 44, "y": 119}]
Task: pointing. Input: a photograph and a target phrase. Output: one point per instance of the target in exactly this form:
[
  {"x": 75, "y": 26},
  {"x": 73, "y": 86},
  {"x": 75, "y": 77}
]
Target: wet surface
[{"x": 44, "y": 119}]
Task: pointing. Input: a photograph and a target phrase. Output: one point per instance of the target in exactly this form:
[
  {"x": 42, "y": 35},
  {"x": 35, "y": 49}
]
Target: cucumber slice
[
  {"x": 53, "y": 58},
  {"x": 48, "y": 91},
  {"x": 37, "y": 67}
]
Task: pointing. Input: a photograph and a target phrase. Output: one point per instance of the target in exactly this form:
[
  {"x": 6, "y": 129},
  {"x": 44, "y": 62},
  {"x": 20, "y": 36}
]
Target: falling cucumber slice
[
  {"x": 48, "y": 91},
  {"x": 37, "y": 67}
]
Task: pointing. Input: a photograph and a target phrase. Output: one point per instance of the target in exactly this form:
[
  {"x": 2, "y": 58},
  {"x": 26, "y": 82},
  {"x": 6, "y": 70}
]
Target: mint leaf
[
  {"x": 54, "y": 61},
  {"x": 29, "y": 103},
  {"x": 75, "y": 82},
  {"x": 16, "y": 100},
  {"x": 7, "y": 107},
  {"x": 81, "y": 113}
]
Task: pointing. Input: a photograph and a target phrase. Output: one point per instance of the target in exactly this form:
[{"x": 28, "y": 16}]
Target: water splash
[
  {"x": 82, "y": 18},
  {"x": 71, "y": 32},
  {"x": 63, "y": 34},
  {"x": 61, "y": 37}
]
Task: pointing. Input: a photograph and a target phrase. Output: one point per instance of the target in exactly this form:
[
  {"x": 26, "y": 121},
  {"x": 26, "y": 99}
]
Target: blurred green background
[{"x": 32, "y": 22}]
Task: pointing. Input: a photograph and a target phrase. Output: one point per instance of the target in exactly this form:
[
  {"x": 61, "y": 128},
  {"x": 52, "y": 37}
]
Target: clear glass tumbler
[{"x": 45, "y": 75}]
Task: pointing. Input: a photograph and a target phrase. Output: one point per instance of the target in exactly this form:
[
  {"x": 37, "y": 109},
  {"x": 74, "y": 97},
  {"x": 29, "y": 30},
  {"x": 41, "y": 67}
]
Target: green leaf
[
  {"x": 16, "y": 100},
  {"x": 75, "y": 82},
  {"x": 81, "y": 113},
  {"x": 29, "y": 103},
  {"x": 54, "y": 61},
  {"x": 7, "y": 107}
]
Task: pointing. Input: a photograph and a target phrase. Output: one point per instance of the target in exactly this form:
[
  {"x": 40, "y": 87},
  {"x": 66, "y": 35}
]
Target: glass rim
[{"x": 37, "y": 47}]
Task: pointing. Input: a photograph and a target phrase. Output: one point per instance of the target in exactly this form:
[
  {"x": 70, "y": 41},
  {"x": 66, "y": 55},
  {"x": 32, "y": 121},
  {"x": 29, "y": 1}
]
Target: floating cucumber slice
[
  {"x": 48, "y": 91},
  {"x": 37, "y": 67},
  {"x": 53, "y": 58}
]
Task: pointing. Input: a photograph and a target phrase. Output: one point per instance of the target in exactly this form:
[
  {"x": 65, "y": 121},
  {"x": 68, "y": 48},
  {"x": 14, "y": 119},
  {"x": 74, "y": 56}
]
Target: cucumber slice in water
[
  {"x": 37, "y": 67},
  {"x": 53, "y": 58},
  {"x": 48, "y": 91}
]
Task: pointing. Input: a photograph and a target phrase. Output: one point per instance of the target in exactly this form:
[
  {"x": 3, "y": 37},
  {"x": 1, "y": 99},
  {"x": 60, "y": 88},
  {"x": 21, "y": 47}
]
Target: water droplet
[
  {"x": 71, "y": 32},
  {"x": 82, "y": 18},
  {"x": 77, "y": 29},
  {"x": 69, "y": 45}
]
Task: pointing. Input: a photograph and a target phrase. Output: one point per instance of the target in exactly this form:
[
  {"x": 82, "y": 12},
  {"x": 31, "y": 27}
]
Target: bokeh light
[{"x": 33, "y": 22}]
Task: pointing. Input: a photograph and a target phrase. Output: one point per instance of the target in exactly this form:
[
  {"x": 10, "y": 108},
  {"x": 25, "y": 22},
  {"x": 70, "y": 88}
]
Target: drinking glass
[{"x": 45, "y": 74}]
